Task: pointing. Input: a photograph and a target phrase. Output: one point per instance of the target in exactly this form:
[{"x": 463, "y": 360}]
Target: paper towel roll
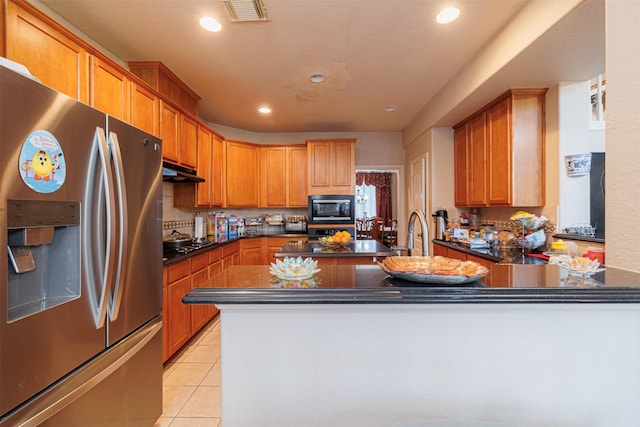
[{"x": 199, "y": 232}]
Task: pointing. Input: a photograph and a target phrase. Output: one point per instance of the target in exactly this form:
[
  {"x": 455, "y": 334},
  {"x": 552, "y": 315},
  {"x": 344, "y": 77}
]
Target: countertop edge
[{"x": 440, "y": 295}]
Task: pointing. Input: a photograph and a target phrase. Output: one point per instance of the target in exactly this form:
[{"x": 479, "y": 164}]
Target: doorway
[{"x": 365, "y": 196}]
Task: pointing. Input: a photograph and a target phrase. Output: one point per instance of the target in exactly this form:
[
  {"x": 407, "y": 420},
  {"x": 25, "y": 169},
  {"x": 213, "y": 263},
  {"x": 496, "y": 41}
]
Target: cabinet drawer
[
  {"x": 197, "y": 279},
  {"x": 199, "y": 262},
  {"x": 230, "y": 249},
  {"x": 278, "y": 242},
  {"x": 215, "y": 255},
  {"x": 251, "y": 243},
  {"x": 179, "y": 271}
]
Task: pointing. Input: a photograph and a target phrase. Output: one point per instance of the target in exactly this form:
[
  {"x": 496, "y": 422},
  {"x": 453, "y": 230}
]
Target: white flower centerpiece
[{"x": 292, "y": 268}]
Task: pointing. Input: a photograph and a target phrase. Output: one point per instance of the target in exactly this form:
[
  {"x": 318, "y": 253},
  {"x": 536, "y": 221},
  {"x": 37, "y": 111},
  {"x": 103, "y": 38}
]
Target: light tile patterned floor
[{"x": 191, "y": 382}]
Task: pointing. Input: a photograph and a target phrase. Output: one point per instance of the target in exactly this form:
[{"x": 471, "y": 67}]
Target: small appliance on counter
[
  {"x": 296, "y": 224},
  {"x": 273, "y": 224},
  {"x": 440, "y": 218},
  {"x": 252, "y": 226}
]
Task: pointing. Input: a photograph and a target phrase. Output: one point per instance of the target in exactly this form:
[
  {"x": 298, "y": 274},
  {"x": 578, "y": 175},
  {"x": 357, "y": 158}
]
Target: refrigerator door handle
[
  {"x": 116, "y": 294},
  {"x": 92, "y": 237}
]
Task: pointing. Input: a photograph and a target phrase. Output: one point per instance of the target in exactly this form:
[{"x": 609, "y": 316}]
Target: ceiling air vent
[{"x": 246, "y": 10}]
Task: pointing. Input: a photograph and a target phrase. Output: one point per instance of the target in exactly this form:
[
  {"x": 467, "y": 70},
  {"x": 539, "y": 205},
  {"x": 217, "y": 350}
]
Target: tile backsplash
[{"x": 182, "y": 219}]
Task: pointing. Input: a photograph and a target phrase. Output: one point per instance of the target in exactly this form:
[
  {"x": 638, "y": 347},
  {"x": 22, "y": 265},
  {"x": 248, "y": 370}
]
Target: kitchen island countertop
[
  {"x": 368, "y": 284},
  {"x": 311, "y": 248}
]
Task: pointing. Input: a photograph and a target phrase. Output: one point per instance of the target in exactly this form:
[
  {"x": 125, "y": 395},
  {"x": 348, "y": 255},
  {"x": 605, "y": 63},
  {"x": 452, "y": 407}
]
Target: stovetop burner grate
[{"x": 183, "y": 250}]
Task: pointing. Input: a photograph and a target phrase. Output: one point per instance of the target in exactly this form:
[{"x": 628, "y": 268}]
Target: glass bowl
[{"x": 292, "y": 268}]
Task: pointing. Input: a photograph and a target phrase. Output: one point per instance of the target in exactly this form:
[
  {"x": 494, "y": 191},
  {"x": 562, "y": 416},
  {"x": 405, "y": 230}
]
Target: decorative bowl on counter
[
  {"x": 579, "y": 266},
  {"x": 332, "y": 242},
  {"x": 292, "y": 268},
  {"x": 434, "y": 270}
]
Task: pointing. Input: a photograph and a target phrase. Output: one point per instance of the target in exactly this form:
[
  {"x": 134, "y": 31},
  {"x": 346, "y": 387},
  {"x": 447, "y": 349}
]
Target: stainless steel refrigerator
[{"x": 81, "y": 278}]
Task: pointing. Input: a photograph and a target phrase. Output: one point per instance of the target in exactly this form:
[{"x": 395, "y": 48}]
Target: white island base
[{"x": 384, "y": 365}]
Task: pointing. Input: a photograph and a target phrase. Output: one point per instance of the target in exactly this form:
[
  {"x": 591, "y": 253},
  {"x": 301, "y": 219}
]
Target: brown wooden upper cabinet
[
  {"x": 331, "y": 166},
  {"x": 188, "y": 141},
  {"x": 170, "y": 131},
  {"x": 499, "y": 152},
  {"x": 242, "y": 174},
  {"x": 284, "y": 176},
  {"x": 50, "y": 52},
  {"x": 209, "y": 167},
  {"x": 204, "y": 190},
  {"x": 110, "y": 89},
  {"x": 145, "y": 109}
]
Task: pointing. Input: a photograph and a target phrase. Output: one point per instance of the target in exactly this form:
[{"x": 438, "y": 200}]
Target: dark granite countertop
[
  {"x": 368, "y": 284},
  {"x": 573, "y": 236},
  {"x": 312, "y": 248},
  {"x": 493, "y": 254},
  {"x": 172, "y": 258}
]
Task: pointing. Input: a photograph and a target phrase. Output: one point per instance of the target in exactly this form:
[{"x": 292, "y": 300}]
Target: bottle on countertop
[{"x": 464, "y": 219}]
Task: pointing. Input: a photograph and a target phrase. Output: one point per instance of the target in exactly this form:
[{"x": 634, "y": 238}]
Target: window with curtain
[
  {"x": 365, "y": 201},
  {"x": 381, "y": 182}
]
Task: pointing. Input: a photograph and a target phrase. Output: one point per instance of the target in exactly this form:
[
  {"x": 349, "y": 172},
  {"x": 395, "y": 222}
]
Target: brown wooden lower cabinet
[
  {"x": 178, "y": 318},
  {"x": 452, "y": 253},
  {"x": 274, "y": 244},
  {"x": 252, "y": 251},
  {"x": 200, "y": 313},
  {"x": 439, "y": 250},
  {"x": 350, "y": 260}
]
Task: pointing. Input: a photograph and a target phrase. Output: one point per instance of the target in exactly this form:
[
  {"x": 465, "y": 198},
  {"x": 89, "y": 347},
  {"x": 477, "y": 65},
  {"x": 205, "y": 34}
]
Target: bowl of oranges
[{"x": 338, "y": 240}]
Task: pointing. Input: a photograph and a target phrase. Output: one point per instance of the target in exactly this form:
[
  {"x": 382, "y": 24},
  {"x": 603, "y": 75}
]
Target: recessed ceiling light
[
  {"x": 447, "y": 15},
  {"x": 317, "y": 78},
  {"x": 210, "y": 24},
  {"x": 264, "y": 110},
  {"x": 390, "y": 108}
]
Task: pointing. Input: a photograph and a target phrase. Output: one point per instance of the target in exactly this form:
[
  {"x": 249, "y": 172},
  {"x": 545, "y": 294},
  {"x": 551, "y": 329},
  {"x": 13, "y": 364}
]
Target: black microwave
[{"x": 331, "y": 209}]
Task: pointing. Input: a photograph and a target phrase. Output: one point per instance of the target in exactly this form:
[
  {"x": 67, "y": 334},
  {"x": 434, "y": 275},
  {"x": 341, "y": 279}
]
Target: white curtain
[{"x": 365, "y": 201}]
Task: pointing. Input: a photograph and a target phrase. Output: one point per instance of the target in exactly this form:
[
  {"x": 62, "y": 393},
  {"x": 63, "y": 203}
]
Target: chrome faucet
[{"x": 425, "y": 231}]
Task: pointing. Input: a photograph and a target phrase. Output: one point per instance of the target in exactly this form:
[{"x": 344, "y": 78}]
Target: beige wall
[
  {"x": 533, "y": 21},
  {"x": 623, "y": 133},
  {"x": 372, "y": 148}
]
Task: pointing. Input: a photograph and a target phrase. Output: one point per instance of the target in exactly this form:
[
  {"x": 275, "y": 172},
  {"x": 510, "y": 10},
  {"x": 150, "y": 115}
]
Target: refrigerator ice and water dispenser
[{"x": 44, "y": 251}]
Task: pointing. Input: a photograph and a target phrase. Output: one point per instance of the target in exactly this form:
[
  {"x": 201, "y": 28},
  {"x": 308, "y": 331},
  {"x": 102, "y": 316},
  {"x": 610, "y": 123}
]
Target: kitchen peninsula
[
  {"x": 356, "y": 252},
  {"x": 527, "y": 345}
]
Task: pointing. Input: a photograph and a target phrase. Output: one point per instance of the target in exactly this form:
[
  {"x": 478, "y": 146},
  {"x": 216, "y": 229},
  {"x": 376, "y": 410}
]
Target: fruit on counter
[
  {"x": 521, "y": 215},
  {"x": 342, "y": 237}
]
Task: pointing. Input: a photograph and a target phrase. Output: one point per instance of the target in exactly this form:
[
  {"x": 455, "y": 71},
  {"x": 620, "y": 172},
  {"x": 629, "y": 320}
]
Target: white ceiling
[{"x": 374, "y": 52}]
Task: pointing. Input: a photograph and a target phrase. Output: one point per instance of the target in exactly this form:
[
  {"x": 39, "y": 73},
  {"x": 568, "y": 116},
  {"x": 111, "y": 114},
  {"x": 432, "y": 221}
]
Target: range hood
[{"x": 179, "y": 174}]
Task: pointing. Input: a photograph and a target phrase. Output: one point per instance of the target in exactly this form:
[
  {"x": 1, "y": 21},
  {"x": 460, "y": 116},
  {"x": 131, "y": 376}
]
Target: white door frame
[
  {"x": 418, "y": 193},
  {"x": 401, "y": 209}
]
